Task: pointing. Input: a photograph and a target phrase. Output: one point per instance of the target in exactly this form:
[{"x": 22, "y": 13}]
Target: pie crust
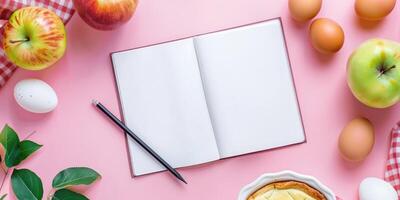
[{"x": 287, "y": 190}]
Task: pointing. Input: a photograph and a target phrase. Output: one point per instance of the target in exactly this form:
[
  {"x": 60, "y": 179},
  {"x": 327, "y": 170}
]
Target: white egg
[
  {"x": 376, "y": 189},
  {"x": 35, "y": 96}
]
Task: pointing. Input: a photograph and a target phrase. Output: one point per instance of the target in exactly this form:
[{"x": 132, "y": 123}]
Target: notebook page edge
[
  {"x": 289, "y": 63},
  {"x": 122, "y": 111},
  {"x": 204, "y": 93}
]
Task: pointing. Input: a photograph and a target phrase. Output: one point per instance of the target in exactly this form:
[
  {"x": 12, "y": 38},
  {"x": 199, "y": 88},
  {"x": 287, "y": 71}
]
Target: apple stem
[
  {"x": 18, "y": 41},
  {"x": 383, "y": 70}
]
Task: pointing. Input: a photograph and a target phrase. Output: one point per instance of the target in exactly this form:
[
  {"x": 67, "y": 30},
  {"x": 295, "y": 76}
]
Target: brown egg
[
  {"x": 303, "y": 10},
  {"x": 326, "y": 35},
  {"x": 374, "y": 9},
  {"x": 357, "y": 139}
]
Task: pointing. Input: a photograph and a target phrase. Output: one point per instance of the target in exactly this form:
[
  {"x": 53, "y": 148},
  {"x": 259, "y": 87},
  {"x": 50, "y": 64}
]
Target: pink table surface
[{"x": 75, "y": 134}]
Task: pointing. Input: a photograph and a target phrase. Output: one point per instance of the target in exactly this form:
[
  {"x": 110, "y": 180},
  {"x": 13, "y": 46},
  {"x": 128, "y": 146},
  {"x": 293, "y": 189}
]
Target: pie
[{"x": 287, "y": 190}]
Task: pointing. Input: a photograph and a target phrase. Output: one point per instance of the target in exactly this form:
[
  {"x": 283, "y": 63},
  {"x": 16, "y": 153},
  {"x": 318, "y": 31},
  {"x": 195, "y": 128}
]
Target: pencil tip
[
  {"x": 183, "y": 180},
  {"x": 95, "y": 102}
]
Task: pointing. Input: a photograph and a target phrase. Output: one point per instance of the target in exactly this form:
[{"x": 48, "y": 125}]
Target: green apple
[
  {"x": 373, "y": 73},
  {"x": 34, "y": 38}
]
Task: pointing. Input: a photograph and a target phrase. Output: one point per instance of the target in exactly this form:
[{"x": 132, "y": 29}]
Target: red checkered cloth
[
  {"x": 63, "y": 8},
  {"x": 392, "y": 172}
]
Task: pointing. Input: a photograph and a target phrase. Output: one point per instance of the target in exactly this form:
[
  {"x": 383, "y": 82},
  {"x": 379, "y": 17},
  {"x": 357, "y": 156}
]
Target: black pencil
[{"x": 138, "y": 140}]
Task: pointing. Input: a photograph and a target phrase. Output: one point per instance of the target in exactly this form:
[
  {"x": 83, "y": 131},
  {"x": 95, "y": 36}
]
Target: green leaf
[
  {"x": 65, "y": 194},
  {"x": 10, "y": 141},
  {"x": 8, "y": 137},
  {"x": 26, "y": 185},
  {"x": 2, "y": 197},
  {"x": 16, "y": 151},
  {"x": 75, "y": 176},
  {"x": 26, "y": 148}
]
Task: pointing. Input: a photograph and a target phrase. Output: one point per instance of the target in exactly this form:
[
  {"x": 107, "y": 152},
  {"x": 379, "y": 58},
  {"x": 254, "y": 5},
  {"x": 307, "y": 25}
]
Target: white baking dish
[{"x": 284, "y": 176}]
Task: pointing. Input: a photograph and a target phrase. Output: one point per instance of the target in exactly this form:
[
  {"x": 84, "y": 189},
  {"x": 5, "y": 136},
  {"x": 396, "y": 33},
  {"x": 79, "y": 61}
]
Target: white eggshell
[
  {"x": 376, "y": 189},
  {"x": 35, "y": 96}
]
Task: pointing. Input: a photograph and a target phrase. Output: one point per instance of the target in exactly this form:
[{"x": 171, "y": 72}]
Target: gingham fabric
[
  {"x": 392, "y": 172},
  {"x": 63, "y": 8}
]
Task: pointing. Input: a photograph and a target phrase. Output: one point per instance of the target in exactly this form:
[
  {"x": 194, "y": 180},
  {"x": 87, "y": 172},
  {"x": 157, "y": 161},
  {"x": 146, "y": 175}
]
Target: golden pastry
[{"x": 287, "y": 190}]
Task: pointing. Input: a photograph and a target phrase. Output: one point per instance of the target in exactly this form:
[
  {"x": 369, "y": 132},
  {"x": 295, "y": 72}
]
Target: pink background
[{"x": 75, "y": 134}]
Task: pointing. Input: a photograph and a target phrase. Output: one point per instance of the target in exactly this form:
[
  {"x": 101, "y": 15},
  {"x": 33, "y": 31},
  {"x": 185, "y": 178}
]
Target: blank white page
[
  {"x": 163, "y": 102},
  {"x": 249, "y": 88}
]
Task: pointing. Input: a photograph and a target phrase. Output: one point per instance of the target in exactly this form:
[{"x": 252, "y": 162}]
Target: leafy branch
[{"x": 26, "y": 184}]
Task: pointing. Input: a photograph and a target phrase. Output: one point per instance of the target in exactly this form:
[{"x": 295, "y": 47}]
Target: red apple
[
  {"x": 34, "y": 38},
  {"x": 105, "y": 14}
]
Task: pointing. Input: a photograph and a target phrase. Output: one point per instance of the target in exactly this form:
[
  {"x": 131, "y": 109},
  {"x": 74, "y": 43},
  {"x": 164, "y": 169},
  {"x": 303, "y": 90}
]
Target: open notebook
[{"x": 209, "y": 97}]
